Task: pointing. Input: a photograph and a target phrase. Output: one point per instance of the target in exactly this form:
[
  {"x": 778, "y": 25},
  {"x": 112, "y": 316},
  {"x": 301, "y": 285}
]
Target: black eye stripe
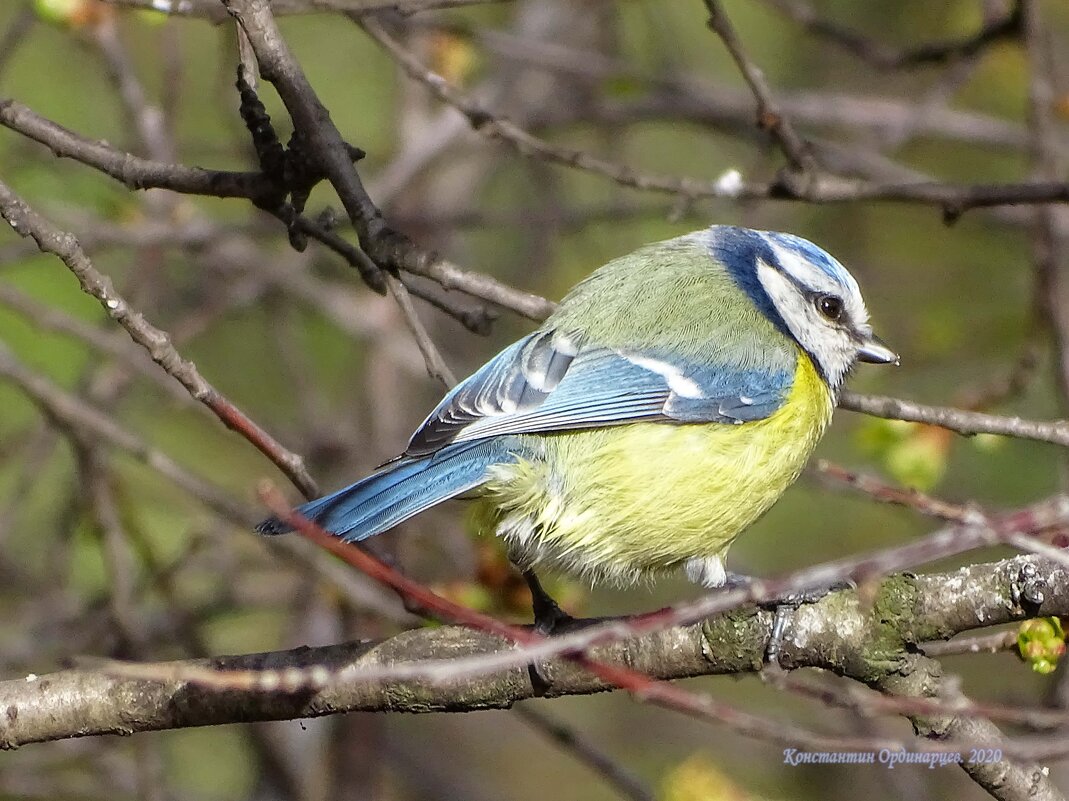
[{"x": 819, "y": 298}]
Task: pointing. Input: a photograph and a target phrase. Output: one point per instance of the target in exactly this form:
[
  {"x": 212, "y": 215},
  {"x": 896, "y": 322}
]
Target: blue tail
[{"x": 399, "y": 491}]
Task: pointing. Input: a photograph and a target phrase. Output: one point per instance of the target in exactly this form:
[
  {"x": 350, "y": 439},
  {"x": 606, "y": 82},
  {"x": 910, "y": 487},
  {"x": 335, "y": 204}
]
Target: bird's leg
[
  {"x": 547, "y": 612},
  {"x": 783, "y": 609},
  {"x": 547, "y": 617}
]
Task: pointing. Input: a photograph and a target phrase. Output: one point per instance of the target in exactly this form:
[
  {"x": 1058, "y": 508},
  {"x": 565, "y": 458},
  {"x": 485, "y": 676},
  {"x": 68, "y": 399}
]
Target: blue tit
[{"x": 666, "y": 404}]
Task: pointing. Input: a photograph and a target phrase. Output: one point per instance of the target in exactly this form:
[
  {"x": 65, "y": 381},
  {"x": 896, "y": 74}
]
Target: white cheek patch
[
  {"x": 830, "y": 347},
  {"x": 677, "y": 382}
]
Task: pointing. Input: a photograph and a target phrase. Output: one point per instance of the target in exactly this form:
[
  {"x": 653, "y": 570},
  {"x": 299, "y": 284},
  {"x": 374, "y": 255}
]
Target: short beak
[{"x": 873, "y": 351}]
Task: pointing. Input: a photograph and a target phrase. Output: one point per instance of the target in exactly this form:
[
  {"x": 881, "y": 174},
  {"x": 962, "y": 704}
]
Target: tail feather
[{"x": 405, "y": 488}]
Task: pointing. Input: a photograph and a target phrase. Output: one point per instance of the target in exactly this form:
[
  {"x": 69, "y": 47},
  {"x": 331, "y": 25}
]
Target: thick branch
[
  {"x": 921, "y": 677},
  {"x": 840, "y": 633}
]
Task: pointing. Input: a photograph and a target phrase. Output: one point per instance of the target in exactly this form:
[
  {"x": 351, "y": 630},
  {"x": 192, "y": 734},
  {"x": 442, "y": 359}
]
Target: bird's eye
[{"x": 830, "y": 306}]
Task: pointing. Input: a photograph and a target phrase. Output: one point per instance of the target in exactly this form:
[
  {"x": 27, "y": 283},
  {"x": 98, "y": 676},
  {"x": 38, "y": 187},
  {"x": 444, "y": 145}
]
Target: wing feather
[{"x": 550, "y": 381}]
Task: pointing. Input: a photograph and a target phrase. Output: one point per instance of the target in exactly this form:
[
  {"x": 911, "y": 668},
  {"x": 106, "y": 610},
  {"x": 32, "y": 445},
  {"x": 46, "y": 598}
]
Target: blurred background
[{"x": 101, "y": 555}]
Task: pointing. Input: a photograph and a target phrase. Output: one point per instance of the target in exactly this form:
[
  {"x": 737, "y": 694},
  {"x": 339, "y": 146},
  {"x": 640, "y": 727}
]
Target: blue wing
[
  {"x": 549, "y": 381},
  {"x": 545, "y": 382},
  {"x": 403, "y": 489}
]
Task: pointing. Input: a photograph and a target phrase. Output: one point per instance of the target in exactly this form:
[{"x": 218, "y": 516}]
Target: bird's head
[{"x": 806, "y": 293}]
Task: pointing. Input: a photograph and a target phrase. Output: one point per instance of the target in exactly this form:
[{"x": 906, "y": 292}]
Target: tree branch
[
  {"x": 959, "y": 420},
  {"x": 769, "y": 116},
  {"x": 843, "y": 633}
]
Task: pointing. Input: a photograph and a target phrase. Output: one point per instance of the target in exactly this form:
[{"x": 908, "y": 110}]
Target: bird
[{"x": 661, "y": 409}]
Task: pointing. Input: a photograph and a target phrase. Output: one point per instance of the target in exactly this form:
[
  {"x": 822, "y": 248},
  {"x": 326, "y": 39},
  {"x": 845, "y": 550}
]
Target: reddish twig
[{"x": 639, "y": 684}]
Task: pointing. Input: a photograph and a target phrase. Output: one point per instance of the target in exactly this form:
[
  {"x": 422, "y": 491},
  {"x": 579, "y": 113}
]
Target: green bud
[{"x": 1041, "y": 643}]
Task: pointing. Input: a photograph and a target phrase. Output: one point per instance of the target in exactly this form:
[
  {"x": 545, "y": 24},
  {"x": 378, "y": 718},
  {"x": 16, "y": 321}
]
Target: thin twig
[
  {"x": 959, "y": 420},
  {"x": 769, "y": 116},
  {"x": 817, "y": 187},
  {"x": 71, "y": 412},
  {"x": 586, "y": 751},
  {"x": 49, "y": 318},
  {"x": 16, "y": 33},
  {"x": 210, "y": 9},
  {"x": 886, "y": 57},
  {"x": 980, "y": 644},
  {"x": 1048, "y": 247},
  {"x": 299, "y": 682},
  {"x": 642, "y": 685},
  {"x": 26, "y": 222},
  {"x": 436, "y": 366},
  {"x": 884, "y": 492}
]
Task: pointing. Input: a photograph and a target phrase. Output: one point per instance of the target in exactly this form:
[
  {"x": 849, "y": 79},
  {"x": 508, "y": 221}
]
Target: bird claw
[{"x": 783, "y": 610}]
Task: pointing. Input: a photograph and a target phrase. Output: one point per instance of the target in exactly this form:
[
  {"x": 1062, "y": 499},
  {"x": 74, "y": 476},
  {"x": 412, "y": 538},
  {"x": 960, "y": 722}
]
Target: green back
[{"x": 673, "y": 297}]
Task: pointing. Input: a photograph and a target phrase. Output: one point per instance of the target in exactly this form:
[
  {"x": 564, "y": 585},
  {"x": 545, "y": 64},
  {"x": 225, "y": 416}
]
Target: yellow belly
[{"x": 617, "y": 503}]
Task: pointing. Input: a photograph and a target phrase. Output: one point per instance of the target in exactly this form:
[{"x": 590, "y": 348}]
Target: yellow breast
[{"x": 615, "y": 503}]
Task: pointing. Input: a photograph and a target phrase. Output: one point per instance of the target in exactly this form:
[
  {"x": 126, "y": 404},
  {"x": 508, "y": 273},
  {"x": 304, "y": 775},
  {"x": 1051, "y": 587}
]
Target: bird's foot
[
  {"x": 548, "y": 617},
  {"x": 783, "y": 610}
]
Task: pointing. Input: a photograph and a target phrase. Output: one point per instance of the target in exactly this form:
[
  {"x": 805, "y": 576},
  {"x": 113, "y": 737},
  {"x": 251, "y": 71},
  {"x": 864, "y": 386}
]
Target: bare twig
[
  {"x": 769, "y": 116},
  {"x": 1012, "y": 383},
  {"x": 436, "y": 366},
  {"x": 886, "y": 57},
  {"x": 134, "y": 172},
  {"x": 93, "y": 425},
  {"x": 211, "y": 11},
  {"x": 1047, "y": 241},
  {"x": 882, "y": 491},
  {"x": 146, "y": 118},
  {"x": 71, "y": 412},
  {"x": 26, "y": 222},
  {"x": 984, "y": 643},
  {"x": 959, "y": 420},
  {"x": 16, "y": 33},
  {"x": 639, "y": 682},
  {"x": 832, "y": 633},
  {"x": 686, "y": 97},
  {"x": 113, "y": 344},
  {"x": 817, "y": 187},
  {"x": 615, "y": 774}
]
